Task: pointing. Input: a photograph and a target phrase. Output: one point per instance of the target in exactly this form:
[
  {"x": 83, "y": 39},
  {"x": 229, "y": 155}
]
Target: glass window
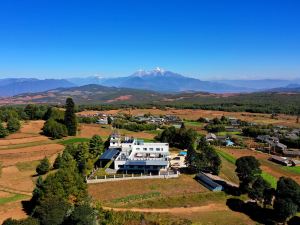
[
  {"x": 157, "y": 149},
  {"x": 151, "y": 149},
  {"x": 137, "y": 149},
  {"x": 145, "y": 149}
]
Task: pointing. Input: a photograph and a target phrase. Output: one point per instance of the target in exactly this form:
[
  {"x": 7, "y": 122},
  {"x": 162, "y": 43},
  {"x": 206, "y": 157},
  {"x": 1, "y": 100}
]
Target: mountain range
[
  {"x": 15, "y": 86},
  {"x": 157, "y": 80}
]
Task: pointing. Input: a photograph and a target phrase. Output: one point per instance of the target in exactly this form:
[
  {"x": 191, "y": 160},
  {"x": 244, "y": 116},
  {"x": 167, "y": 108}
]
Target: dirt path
[{"x": 176, "y": 210}]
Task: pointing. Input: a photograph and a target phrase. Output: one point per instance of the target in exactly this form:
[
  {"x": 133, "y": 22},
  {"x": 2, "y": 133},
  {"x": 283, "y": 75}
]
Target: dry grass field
[
  {"x": 21, "y": 152},
  {"x": 194, "y": 114}
]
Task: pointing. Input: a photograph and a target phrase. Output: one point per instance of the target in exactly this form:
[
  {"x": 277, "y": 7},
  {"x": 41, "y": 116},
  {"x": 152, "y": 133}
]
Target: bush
[
  {"x": 13, "y": 125},
  {"x": 54, "y": 129},
  {"x": 3, "y": 131},
  {"x": 43, "y": 167}
]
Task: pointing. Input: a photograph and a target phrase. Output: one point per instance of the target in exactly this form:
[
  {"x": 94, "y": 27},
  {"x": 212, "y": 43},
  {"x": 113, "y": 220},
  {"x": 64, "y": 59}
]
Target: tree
[
  {"x": 284, "y": 208},
  {"x": 247, "y": 169},
  {"x": 54, "y": 129},
  {"x": 204, "y": 158},
  {"x": 57, "y": 162},
  {"x": 3, "y": 131},
  {"x": 287, "y": 198},
  {"x": 13, "y": 125},
  {"x": 109, "y": 120},
  {"x": 258, "y": 190},
  {"x": 82, "y": 215},
  {"x": 52, "y": 211},
  {"x": 27, "y": 221},
  {"x": 96, "y": 144},
  {"x": 43, "y": 167},
  {"x": 70, "y": 117}
]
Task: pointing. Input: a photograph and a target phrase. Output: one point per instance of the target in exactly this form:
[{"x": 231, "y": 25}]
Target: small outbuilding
[{"x": 208, "y": 182}]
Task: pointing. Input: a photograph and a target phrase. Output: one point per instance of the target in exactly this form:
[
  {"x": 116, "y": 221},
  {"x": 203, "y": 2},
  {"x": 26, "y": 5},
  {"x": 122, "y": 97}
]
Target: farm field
[
  {"x": 194, "y": 114},
  {"x": 182, "y": 198}
]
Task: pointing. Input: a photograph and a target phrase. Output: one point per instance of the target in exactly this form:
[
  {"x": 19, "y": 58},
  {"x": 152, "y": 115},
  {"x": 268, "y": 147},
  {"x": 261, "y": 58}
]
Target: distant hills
[
  {"x": 161, "y": 81},
  {"x": 15, "y": 86},
  {"x": 157, "y": 80},
  {"x": 98, "y": 94}
]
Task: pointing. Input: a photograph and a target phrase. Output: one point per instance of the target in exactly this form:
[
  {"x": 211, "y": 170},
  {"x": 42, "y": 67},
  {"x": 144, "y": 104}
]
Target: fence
[{"x": 120, "y": 177}]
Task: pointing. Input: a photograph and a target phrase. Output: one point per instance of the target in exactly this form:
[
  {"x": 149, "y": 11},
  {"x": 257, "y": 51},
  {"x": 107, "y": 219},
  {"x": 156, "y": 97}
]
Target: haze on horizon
[{"x": 209, "y": 40}]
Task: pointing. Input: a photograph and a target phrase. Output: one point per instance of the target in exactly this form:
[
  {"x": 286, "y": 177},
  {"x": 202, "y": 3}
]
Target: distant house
[
  {"x": 208, "y": 182},
  {"x": 233, "y": 121},
  {"x": 103, "y": 120},
  {"x": 278, "y": 147},
  {"x": 281, "y": 160},
  {"x": 291, "y": 153},
  {"x": 228, "y": 143},
  {"x": 211, "y": 137}
]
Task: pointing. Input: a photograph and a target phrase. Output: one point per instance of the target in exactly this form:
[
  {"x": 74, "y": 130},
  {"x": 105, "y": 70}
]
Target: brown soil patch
[
  {"x": 15, "y": 141},
  {"x": 177, "y": 210},
  {"x": 120, "y": 98},
  {"x": 15, "y": 180},
  {"x": 191, "y": 114},
  {"x": 12, "y": 210},
  {"x": 13, "y": 156},
  {"x": 32, "y": 127},
  {"x": 170, "y": 187},
  {"x": 4, "y": 194}
]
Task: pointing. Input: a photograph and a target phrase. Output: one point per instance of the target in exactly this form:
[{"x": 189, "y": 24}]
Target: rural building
[
  {"x": 291, "y": 153},
  {"x": 130, "y": 154},
  {"x": 281, "y": 160},
  {"x": 208, "y": 182},
  {"x": 211, "y": 137}
]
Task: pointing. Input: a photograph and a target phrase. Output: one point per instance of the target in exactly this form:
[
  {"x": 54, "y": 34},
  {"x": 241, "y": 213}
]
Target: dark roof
[
  {"x": 109, "y": 154},
  {"x": 209, "y": 183},
  {"x": 146, "y": 163}
]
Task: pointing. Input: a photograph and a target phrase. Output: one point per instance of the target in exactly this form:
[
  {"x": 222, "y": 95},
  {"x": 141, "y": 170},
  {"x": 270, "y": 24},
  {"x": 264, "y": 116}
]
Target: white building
[{"x": 135, "y": 155}]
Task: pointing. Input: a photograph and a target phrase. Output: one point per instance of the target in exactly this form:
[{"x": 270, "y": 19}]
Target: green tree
[
  {"x": 259, "y": 189},
  {"x": 43, "y": 167},
  {"x": 54, "y": 129},
  {"x": 57, "y": 162},
  {"x": 52, "y": 211},
  {"x": 3, "y": 131},
  {"x": 96, "y": 146},
  {"x": 13, "y": 125},
  {"x": 284, "y": 208},
  {"x": 70, "y": 117},
  {"x": 247, "y": 170},
  {"x": 82, "y": 215},
  {"x": 27, "y": 221}
]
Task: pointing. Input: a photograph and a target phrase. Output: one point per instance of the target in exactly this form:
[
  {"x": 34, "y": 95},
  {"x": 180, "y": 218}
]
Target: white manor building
[{"x": 133, "y": 155}]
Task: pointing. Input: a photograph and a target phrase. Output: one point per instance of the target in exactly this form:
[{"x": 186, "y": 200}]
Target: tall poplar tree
[{"x": 70, "y": 117}]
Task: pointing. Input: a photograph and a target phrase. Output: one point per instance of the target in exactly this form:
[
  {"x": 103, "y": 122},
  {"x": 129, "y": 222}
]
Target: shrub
[
  {"x": 43, "y": 167},
  {"x": 54, "y": 129},
  {"x": 13, "y": 125}
]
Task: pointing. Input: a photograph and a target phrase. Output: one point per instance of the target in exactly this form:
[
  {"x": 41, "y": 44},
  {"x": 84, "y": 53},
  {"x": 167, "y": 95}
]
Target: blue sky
[{"x": 207, "y": 39}]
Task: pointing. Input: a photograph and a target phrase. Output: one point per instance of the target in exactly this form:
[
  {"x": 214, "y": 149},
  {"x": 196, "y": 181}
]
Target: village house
[{"x": 133, "y": 155}]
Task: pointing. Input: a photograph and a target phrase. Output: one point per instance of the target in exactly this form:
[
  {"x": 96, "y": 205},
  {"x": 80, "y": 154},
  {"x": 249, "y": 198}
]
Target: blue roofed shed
[{"x": 208, "y": 182}]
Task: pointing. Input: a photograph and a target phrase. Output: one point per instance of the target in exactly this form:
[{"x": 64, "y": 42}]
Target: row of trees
[
  {"x": 179, "y": 138},
  {"x": 62, "y": 198},
  {"x": 12, "y": 125},
  {"x": 285, "y": 199},
  {"x": 204, "y": 158},
  {"x": 200, "y": 156},
  {"x": 60, "y": 123}
]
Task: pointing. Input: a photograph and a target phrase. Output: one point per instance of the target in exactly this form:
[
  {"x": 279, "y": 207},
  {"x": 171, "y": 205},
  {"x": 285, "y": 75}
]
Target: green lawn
[
  {"x": 25, "y": 166},
  {"x": 268, "y": 177},
  {"x": 73, "y": 141},
  {"x": 192, "y": 123},
  {"x": 224, "y": 133},
  {"x": 293, "y": 169},
  {"x": 13, "y": 198}
]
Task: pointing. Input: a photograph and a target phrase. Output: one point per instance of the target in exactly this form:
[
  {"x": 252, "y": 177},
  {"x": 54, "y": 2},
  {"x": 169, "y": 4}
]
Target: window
[
  {"x": 145, "y": 149},
  {"x": 151, "y": 149},
  {"x": 137, "y": 149},
  {"x": 157, "y": 149}
]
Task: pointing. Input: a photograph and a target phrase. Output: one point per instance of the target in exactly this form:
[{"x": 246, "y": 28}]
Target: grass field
[
  {"x": 73, "y": 141},
  {"x": 225, "y": 133},
  {"x": 266, "y": 176},
  {"x": 13, "y": 198},
  {"x": 294, "y": 169}
]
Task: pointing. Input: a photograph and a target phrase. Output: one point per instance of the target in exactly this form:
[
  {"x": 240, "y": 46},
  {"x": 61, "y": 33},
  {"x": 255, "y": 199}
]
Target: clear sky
[{"x": 207, "y": 39}]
